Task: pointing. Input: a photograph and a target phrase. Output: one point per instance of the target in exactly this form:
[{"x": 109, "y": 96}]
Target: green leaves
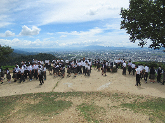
[
  {"x": 145, "y": 19},
  {"x": 4, "y": 52}
]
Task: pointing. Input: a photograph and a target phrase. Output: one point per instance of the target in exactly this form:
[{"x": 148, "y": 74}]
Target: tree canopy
[
  {"x": 145, "y": 20},
  {"x": 4, "y": 52}
]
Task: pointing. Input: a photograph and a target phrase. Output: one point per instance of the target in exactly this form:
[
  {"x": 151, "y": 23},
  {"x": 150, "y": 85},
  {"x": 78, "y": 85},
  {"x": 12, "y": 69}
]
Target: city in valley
[{"x": 138, "y": 54}]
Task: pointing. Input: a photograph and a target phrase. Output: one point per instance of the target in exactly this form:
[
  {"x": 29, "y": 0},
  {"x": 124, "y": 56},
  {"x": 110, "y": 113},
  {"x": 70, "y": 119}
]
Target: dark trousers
[
  {"x": 158, "y": 77},
  {"x": 133, "y": 71},
  {"x": 145, "y": 76},
  {"x": 22, "y": 78},
  {"x": 124, "y": 71},
  {"x": 30, "y": 74},
  {"x": 25, "y": 74},
  {"x": 45, "y": 75},
  {"x": 41, "y": 79},
  {"x": 35, "y": 74},
  {"x": 137, "y": 79},
  {"x": 129, "y": 69},
  {"x": 83, "y": 69}
]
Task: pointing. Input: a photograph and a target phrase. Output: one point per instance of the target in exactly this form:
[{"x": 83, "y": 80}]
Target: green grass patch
[
  {"x": 53, "y": 103},
  {"x": 155, "y": 108},
  {"x": 10, "y": 67},
  {"x": 91, "y": 113}
]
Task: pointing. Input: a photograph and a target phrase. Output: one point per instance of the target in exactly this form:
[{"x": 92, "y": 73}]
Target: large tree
[
  {"x": 145, "y": 20},
  {"x": 4, "y": 52}
]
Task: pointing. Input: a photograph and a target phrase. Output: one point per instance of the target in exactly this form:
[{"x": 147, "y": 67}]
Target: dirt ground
[{"x": 112, "y": 83}]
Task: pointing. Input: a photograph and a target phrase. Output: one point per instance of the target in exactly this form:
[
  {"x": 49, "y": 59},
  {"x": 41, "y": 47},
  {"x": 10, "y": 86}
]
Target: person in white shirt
[
  {"x": 138, "y": 71},
  {"x": 44, "y": 71},
  {"x": 129, "y": 67},
  {"x": 22, "y": 78},
  {"x": 142, "y": 70},
  {"x": 40, "y": 75},
  {"x": 86, "y": 67},
  {"x": 79, "y": 67},
  {"x": 30, "y": 72},
  {"x": 133, "y": 68},
  {"x": 124, "y": 68},
  {"x": 146, "y": 68}
]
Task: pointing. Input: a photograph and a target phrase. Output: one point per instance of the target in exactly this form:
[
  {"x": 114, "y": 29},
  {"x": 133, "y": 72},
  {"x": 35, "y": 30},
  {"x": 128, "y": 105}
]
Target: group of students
[
  {"x": 25, "y": 71},
  {"x": 82, "y": 66},
  {"x": 143, "y": 72}
]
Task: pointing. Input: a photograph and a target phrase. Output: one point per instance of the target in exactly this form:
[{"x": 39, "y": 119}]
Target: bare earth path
[{"x": 112, "y": 83}]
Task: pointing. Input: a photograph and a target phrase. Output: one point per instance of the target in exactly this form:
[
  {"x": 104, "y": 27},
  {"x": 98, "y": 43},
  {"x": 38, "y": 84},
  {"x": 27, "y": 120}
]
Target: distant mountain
[
  {"x": 31, "y": 51},
  {"x": 21, "y": 52}
]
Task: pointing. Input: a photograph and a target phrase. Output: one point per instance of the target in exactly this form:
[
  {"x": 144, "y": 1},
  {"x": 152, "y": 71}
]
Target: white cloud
[
  {"x": 43, "y": 12},
  {"x": 29, "y": 32},
  {"x": 91, "y": 32},
  {"x": 18, "y": 43},
  {"x": 7, "y": 34}
]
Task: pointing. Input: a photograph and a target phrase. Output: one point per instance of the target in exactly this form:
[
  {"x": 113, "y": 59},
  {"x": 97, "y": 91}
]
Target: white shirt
[
  {"x": 138, "y": 71},
  {"x": 146, "y": 69},
  {"x": 22, "y": 70},
  {"x": 133, "y": 65},
  {"x": 124, "y": 64},
  {"x": 44, "y": 69},
  {"x": 30, "y": 68}
]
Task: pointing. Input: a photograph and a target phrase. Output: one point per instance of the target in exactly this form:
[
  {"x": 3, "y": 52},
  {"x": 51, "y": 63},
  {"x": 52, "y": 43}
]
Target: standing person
[
  {"x": 50, "y": 68},
  {"x": 95, "y": 64},
  {"x": 86, "y": 67},
  {"x": 138, "y": 71},
  {"x": 69, "y": 69},
  {"x": 30, "y": 72},
  {"x": 8, "y": 76},
  {"x": 133, "y": 68},
  {"x": 163, "y": 77},
  {"x": 146, "y": 68},
  {"x": 104, "y": 68},
  {"x": 1, "y": 72},
  {"x": 75, "y": 69},
  {"x": 124, "y": 68},
  {"x": 1, "y": 75},
  {"x": 1, "y": 80},
  {"x": 142, "y": 70},
  {"x": 79, "y": 67},
  {"x": 40, "y": 75},
  {"x": 98, "y": 64},
  {"x": 22, "y": 78},
  {"x": 83, "y": 65},
  {"x": 152, "y": 74},
  {"x": 44, "y": 70},
  {"x": 129, "y": 67},
  {"x": 159, "y": 73}
]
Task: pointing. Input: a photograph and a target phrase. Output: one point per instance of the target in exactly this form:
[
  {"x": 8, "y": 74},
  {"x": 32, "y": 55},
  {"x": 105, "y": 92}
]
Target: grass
[
  {"x": 155, "y": 108},
  {"x": 91, "y": 112},
  {"x": 53, "y": 103},
  {"x": 10, "y": 67}
]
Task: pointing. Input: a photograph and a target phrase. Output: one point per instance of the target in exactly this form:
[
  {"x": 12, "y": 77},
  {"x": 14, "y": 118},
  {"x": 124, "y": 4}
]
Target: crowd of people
[
  {"x": 37, "y": 70},
  {"x": 142, "y": 72}
]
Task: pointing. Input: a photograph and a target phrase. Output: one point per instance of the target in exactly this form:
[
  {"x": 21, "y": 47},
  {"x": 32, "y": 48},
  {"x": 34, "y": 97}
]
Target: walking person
[
  {"x": 146, "y": 68},
  {"x": 133, "y": 68},
  {"x": 40, "y": 75},
  {"x": 152, "y": 74},
  {"x": 8, "y": 76},
  {"x": 22, "y": 78},
  {"x": 159, "y": 73},
  {"x": 124, "y": 68},
  {"x": 138, "y": 71}
]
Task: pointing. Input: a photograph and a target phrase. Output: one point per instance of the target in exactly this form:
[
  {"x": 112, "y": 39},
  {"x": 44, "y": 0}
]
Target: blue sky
[{"x": 62, "y": 23}]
